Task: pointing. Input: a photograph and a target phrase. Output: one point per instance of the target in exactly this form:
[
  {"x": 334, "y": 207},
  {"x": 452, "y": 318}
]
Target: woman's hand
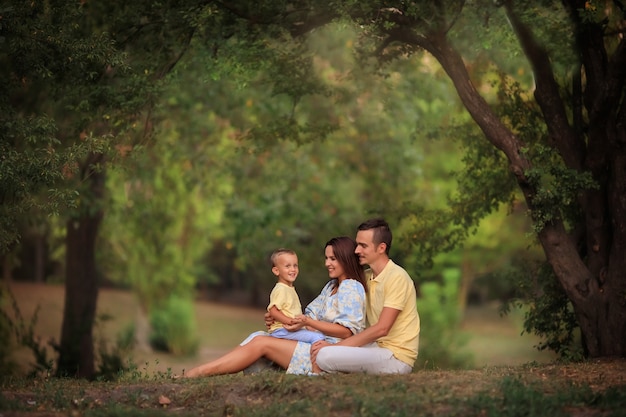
[
  {"x": 293, "y": 326},
  {"x": 315, "y": 348},
  {"x": 297, "y": 323}
]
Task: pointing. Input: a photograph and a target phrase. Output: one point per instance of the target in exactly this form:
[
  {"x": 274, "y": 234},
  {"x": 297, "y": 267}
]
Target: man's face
[{"x": 366, "y": 250}]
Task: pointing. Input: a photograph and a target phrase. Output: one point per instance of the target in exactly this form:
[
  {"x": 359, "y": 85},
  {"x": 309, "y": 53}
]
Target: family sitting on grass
[{"x": 332, "y": 335}]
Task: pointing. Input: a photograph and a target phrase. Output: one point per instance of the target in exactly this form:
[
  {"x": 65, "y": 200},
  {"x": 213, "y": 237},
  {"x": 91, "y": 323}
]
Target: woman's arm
[
  {"x": 375, "y": 331},
  {"x": 329, "y": 329}
]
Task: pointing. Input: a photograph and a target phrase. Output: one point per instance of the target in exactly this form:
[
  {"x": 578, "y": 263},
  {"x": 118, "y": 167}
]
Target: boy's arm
[{"x": 278, "y": 315}]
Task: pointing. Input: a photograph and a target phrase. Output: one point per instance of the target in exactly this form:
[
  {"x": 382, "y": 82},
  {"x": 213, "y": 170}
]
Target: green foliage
[
  {"x": 162, "y": 220},
  {"x": 174, "y": 327},
  {"x": 112, "y": 359},
  {"x": 441, "y": 341},
  {"x": 50, "y": 70},
  {"x": 558, "y": 188},
  {"x": 548, "y": 311}
]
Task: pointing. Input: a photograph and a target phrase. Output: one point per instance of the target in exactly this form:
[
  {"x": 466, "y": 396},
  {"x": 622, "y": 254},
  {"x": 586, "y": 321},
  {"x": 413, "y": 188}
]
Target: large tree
[
  {"x": 50, "y": 142},
  {"x": 77, "y": 80},
  {"x": 564, "y": 142}
]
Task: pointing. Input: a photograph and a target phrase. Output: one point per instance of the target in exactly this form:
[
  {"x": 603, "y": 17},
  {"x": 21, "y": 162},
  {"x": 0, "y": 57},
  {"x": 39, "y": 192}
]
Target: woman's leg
[{"x": 278, "y": 351}]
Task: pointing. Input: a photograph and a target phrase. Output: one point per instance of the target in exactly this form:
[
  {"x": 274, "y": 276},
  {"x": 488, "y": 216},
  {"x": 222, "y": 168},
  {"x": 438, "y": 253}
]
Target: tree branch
[
  {"x": 563, "y": 136},
  {"x": 616, "y": 76}
]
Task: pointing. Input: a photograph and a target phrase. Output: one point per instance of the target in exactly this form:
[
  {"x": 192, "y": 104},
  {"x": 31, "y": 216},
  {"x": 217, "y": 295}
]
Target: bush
[
  {"x": 174, "y": 327},
  {"x": 113, "y": 360},
  {"x": 548, "y": 312},
  {"x": 441, "y": 341},
  {"x": 15, "y": 331}
]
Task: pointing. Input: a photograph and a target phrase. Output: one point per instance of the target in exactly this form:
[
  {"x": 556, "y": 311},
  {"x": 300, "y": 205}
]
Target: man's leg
[{"x": 369, "y": 359}]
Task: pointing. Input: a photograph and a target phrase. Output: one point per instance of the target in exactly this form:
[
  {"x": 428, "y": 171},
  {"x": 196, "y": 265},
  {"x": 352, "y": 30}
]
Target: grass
[
  {"x": 588, "y": 389},
  {"x": 508, "y": 379}
]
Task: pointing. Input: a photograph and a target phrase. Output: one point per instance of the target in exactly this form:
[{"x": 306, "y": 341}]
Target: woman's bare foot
[{"x": 316, "y": 369}]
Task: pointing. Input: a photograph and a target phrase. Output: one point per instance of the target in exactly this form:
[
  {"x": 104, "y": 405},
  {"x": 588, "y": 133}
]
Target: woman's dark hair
[{"x": 343, "y": 248}]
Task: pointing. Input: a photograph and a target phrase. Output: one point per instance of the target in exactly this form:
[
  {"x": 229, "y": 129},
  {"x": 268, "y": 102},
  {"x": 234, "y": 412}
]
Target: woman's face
[{"x": 335, "y": 269}]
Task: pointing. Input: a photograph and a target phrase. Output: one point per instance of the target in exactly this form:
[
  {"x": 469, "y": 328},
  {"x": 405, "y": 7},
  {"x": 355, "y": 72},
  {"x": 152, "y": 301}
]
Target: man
[{"x": 389, "y": 344}]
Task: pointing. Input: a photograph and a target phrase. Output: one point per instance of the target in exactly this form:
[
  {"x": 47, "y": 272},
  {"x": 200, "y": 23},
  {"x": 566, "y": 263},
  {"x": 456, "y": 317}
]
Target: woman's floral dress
[{"x": 345, "y": 307}]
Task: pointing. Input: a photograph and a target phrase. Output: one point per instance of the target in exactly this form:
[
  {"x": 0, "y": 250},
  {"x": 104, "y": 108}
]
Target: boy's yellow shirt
[{"x": 286, "y": 299}]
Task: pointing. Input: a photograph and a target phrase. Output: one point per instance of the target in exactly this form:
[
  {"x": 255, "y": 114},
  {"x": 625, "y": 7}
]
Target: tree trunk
[
  {"x": 142, "y": 330},
  {"x": 602, "y": 320},
  {"x": 598, "y": 302},
  {"x": 76, "y": 349}
]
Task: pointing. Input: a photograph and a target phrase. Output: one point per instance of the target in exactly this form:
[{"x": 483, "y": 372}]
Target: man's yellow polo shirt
[{"x": 394, "y": 288}]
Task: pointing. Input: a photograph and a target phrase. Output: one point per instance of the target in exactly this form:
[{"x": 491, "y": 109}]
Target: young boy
[{"x": 284, "y": 301}]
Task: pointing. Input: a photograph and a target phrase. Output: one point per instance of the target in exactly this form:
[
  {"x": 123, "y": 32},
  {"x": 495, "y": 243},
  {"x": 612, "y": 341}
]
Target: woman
[{"x": 338, "y": 312}]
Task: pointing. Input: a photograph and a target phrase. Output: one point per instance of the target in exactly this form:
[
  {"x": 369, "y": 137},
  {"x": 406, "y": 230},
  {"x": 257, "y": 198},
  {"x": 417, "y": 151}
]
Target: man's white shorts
[{"x": 369, "y": 359}]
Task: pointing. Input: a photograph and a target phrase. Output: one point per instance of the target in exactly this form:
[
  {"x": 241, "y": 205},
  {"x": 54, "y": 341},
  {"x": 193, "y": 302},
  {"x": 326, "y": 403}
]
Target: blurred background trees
[{"x": 181, "y": 144}]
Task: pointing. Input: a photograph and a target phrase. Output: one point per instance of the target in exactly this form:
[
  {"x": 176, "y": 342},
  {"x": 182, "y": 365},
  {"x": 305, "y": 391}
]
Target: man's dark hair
[{"x": 382, "y": 232}]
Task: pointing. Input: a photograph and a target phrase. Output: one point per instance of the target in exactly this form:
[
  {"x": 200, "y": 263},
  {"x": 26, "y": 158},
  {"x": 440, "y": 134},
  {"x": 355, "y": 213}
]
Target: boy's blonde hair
[{"x": 277, "y": 253}]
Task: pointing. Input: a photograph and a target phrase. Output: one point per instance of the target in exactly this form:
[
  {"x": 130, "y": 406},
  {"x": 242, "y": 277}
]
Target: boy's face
[{"x": 286, "y": 268}]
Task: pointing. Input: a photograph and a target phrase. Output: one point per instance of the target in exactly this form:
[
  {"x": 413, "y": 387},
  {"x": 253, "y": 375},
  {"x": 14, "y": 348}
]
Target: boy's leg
[
  {"x": 369, "y": 359},
  {"x": 306, "y": 336}
]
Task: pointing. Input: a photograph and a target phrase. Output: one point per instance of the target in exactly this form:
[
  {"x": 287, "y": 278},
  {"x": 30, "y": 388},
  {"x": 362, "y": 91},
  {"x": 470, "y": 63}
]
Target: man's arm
[
  {"x": 377, "y": 330},
  {"x": 387, "y": 318},
  {"x": 380, "y": 329}
]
